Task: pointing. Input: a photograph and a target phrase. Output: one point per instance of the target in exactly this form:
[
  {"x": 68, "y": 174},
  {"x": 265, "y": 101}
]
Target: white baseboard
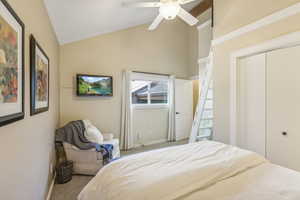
[
  {"x": 182, "y": 138},
  {"x": 156, "y": 142},
  {"x": 151, "y": 143},
  {"x": 51, "y": 188}
]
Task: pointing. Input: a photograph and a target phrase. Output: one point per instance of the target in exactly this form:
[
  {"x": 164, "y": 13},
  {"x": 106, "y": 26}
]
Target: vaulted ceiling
[{"x": 79, "y": 19}]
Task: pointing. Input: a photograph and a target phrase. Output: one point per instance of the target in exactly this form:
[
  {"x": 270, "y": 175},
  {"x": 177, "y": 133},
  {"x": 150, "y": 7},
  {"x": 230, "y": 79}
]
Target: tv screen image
[{"x": 94, "y": 85}]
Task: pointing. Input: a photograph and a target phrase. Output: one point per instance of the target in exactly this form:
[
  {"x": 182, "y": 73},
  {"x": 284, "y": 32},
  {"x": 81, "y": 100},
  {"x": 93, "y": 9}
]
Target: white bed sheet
[
  {"x": 170, "y": 173},
  {"x": 265, "y": 182}
]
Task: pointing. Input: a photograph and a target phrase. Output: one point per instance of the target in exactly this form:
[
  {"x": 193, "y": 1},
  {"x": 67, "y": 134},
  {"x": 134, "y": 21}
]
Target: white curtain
[
  {"x": 172, "y": 111},
  {"x": 126, "y": 138}
]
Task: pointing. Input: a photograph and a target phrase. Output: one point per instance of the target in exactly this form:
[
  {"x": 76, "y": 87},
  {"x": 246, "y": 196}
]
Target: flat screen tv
[{"x": 94, "y": 85}]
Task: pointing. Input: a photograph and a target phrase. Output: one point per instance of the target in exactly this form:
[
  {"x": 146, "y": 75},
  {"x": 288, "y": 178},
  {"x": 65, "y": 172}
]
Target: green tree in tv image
[{"x": 95, "y": 86}]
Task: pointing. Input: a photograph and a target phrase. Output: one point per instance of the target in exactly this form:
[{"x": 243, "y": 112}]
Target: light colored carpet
[
  {"x": 152, "y": 147},
  {"x": 70, "y": 190}
]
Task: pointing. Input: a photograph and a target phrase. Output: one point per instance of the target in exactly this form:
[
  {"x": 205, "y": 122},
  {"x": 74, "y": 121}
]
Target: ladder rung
[
  {"x": 203, "y": 136},
  {"x": 206, "y": 128},
  {"x": 206, "y": 119}
]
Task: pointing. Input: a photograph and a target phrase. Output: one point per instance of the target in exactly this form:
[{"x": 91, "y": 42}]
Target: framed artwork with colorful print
[
  {"x": 39, "y": 79},
  {"x": 11, "y": 65}
]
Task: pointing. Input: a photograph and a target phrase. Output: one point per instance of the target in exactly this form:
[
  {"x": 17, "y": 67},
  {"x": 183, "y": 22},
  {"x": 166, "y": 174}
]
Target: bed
[{"x": 204, "y": 170}]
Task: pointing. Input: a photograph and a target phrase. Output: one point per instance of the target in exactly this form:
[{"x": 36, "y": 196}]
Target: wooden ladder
[{"x": 205, "y": 86}]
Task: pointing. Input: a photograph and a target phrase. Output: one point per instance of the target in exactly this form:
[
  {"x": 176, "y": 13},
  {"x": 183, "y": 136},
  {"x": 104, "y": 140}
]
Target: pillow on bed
[{"x": 92, "y": 134}]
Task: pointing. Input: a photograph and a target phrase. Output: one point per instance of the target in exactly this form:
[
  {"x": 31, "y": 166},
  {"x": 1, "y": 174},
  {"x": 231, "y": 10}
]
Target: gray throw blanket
[{"x": 73, "y": 133}]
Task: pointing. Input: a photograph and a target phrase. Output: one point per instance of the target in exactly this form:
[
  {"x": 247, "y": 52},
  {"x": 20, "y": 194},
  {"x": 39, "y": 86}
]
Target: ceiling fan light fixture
[{"x": 169, "y": 10}]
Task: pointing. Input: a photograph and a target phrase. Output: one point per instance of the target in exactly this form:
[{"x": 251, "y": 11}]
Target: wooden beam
[{"x": 201, "y": 7}]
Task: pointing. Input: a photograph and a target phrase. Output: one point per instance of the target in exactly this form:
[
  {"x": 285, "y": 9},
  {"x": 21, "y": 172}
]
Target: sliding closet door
[
  {"x": 251, "y": 103},
  {"x": 283, "y": 107}
]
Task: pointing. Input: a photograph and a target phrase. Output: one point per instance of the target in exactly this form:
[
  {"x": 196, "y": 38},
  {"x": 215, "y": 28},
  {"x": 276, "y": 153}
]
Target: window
[
  {"x": 159, "y": 92},
  {"x": 139, "y": 91},
  {"x": 149, "y": 89}
]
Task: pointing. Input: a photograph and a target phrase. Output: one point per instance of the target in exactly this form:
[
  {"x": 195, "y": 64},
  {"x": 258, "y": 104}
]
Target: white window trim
[
  {"x": 149, "y": 77},
  {"x": 149, "y": 106}
]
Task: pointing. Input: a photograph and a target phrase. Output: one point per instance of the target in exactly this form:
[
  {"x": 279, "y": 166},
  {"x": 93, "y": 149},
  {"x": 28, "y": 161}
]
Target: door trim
[{"x": 286, "y": 41}]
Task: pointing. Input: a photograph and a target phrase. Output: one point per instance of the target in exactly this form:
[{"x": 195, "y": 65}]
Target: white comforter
[
  {"x": 264, "y": 182},
  {"x": 169, "y": 173}
]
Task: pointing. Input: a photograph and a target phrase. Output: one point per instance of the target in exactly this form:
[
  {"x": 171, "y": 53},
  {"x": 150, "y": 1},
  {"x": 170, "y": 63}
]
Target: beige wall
[
  {"x": 164, "y": 50},
  {"x": 199, "y": 46},
  {"x": 150, "y": 125},
  {"x": 199, "y": 43},
  {"x": 205, "y": 36},
  {"x": 193, "y": 50},
  {"x": 229, "y": 12},
  {"x": 26, "y": 146},
  {"x": 232, "y": 14}
]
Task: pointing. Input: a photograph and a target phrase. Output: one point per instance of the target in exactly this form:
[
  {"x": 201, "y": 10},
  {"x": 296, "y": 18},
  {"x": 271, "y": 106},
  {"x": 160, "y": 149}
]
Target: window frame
[{"x": 150, "y": 77}]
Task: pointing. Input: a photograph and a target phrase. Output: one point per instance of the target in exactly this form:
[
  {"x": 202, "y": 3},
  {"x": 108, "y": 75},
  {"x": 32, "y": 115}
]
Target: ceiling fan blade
[
  {"x": 156, "y": 22},
  {"x": 187, "y": 17},
  {"x": 182, "y": 2},
  {"x": 141, "y": 4}
]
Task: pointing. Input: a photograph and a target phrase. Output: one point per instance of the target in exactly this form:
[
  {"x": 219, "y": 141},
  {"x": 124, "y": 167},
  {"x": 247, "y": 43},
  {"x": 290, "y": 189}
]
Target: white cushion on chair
[
  {"x": 92, "y": 134},
  {"x": 108, "y": 136}
]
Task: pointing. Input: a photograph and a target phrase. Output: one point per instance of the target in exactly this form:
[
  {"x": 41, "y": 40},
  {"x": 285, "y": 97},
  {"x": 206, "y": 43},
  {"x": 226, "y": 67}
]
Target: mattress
[
  {"x": 205, "y": 170},
  {"x": 265, "y": 182}
]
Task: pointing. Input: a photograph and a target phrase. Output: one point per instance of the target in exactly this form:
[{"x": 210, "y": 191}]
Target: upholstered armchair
[{"x": 89, "y": 162}]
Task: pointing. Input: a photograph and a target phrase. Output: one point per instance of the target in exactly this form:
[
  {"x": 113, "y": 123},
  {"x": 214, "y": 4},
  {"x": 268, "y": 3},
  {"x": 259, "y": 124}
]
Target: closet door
[
  {"x": 184, "y": 108},
  {"x": 283, "y": 107},
  {"x": 251, "y": 104}
]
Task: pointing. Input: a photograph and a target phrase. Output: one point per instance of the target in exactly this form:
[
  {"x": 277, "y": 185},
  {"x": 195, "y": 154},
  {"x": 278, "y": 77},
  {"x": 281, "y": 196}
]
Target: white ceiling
[{"x": 75, "y": 20}]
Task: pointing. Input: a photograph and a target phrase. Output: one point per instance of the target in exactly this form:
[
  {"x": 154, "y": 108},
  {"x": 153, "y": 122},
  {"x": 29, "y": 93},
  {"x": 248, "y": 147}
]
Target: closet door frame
[
  {"x": 286, "y": 41},
  {"x": 251, "y": 103}
]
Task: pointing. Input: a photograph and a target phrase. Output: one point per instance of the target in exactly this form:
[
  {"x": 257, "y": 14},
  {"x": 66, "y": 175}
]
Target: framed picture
[
  {"x": 11, "y": 65},
  {"x": 39, "y": 79},
  {"x": 94, "y": 85}
]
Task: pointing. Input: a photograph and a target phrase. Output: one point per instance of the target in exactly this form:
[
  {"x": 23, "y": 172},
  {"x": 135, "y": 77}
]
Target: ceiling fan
[{"x": 168, "y": 9}]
